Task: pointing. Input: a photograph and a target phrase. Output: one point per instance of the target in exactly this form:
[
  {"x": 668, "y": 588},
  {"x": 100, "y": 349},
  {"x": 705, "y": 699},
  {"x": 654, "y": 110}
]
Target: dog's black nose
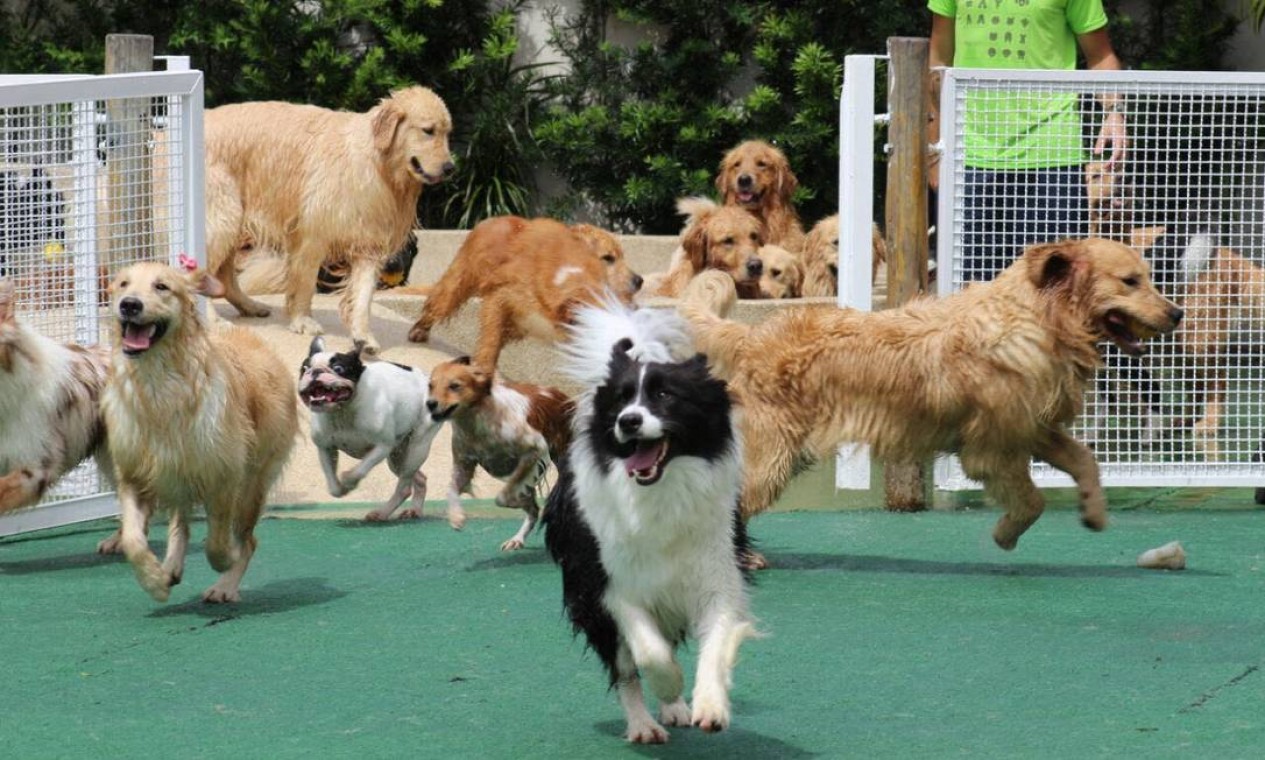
[
  {"x": 432, "y": 404},
  {"x": 754, "y": 267},
  {"x": 1176, "y": 315},
  {"x": 449, "y": 168},
  {"x": 636, "y": 282},
  {"x": 629, "y": 423},
  {"x": 745, "y": 180},
  {"x": 131, "y": 307}
]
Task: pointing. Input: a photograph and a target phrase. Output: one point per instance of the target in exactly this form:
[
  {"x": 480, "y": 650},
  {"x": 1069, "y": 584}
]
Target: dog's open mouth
[
  {"x": 748, "y": 197},
  {"x": 319, "y": 398},
  {"x": 1127, "y": 332},
  {"x": 429, "y": 179},
  {"x": 646, "y": 463},
  {"x": 139, "y": 337}
]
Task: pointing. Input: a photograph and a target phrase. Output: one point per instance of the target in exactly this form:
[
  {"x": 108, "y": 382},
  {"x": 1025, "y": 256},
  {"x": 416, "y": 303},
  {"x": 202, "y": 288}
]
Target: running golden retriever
[
  {"x": 995, "y": 374},
  {"x": 195, "y": 416},
  {"x": 315, "y": 184}
]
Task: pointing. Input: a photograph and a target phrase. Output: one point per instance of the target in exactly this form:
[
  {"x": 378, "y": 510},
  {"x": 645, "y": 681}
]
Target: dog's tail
[
  {"x": 263, "y": 273},
  {"x": 657, "y": 335},
  {"x": 1199, "y": 252},
  {"x": 704, "y": 304},
  {"x": 693, "y": 207}
]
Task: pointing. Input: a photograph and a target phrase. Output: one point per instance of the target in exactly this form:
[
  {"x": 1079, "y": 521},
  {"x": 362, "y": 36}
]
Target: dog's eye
[
  {"x": 755, "y": 237},
  {"x": 430, "y": 131},
  {"x": 775, "y": 272},
  {"x": 339, "y": 370},
  {"x": 1132, "y": 281},
  {"x": 161, "y": 286},
  {"x": 727, "y": 241},
  {"x": 663, "y": 394},
  {"x": 454, "y": 387},
  {"x": 609, "y": 258}
]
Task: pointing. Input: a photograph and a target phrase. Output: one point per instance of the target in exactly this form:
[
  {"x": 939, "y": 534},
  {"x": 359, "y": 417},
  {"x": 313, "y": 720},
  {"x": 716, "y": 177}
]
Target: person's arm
[
  {"x": 940, "y": 56},
  {"x": 1100, "y": 56}
]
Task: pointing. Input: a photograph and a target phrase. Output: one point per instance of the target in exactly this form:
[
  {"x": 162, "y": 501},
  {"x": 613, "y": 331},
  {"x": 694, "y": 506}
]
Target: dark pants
[{"x": 1006, "y": 211}]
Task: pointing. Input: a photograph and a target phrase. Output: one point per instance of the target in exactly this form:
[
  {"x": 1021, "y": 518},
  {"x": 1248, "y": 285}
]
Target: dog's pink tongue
[
  {"x": 138, "y": 337},
  {"x": 644, "y": 458}
]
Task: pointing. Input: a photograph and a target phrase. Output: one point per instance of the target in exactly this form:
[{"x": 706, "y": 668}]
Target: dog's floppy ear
[
  {"x": 6, "y": 300},
  {"x": 694, "y": 243},
  {"x": 1052, "y": 265},
  {"x": 386, "y": 120},
  {"x": 787, "y": 182}
]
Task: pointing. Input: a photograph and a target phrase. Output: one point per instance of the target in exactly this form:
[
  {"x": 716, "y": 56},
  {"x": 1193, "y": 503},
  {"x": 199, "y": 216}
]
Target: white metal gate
[
  {"x": 1190, "y": 194},
  {"x": 96, "y": 172}
]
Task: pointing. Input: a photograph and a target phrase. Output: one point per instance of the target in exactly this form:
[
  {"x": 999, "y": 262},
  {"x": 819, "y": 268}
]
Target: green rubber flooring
[{"x": 887, "y": 636}]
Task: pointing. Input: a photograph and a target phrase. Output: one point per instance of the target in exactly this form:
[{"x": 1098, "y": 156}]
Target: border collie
[{"x": 644, "y": 518}]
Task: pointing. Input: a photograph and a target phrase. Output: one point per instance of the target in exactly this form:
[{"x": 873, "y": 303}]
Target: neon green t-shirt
[{"x": 1006, "y": 129}]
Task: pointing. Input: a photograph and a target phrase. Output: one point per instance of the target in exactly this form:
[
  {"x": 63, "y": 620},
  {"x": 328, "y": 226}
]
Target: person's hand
[{"x": 1112, "y": 136}]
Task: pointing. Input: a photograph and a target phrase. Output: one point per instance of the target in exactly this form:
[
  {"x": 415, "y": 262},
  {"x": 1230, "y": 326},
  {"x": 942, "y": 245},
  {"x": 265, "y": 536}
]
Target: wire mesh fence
[
  {"x": 95, "y": 173},
  {"x": 1020, "y": 165}
]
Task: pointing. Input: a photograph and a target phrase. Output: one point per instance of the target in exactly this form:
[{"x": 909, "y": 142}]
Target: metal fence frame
[{"x": 177, "y": 85}]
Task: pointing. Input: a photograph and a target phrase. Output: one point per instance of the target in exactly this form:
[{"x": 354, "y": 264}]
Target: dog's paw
[
  {"x": 457, "y": 519},
  {"x": 418, "y": 334},
  {"x": 347, "y": 481},
  {"x": 153, "y": 578},
  {"x": 306, "y": 326},
  {"x": 514, "y": 544},
  {"x": 382, "y": 514},
  {"x": 646, "y": 731},
  {"x": 675, "y": 713},
  {"x": 222, "y": 593},
  {"x": 111, "y": 545},
  {"x": 412, "y": 513},
  {"x": 711, "y": 712},
  {"x": 368, "y": 347}
]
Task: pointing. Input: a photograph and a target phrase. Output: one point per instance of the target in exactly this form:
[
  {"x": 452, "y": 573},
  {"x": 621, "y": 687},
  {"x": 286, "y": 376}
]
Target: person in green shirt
[{"x": 1025, "y": 159}]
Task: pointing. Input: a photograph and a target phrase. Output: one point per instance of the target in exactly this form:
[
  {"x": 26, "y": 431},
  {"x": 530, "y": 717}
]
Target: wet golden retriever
[
  {"x": 315, "y": 184},
  {"x": 194, "y": 417},
  {"x": 754, "y": 175},
  {"x": 715, "y": 237},
  {"x": 530, "y": 275},
  {"x": 994, "y": 373}
]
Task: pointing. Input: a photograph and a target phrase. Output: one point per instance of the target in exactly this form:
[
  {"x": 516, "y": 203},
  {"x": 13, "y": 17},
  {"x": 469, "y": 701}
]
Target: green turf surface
[{"x": 888, "y": 636}]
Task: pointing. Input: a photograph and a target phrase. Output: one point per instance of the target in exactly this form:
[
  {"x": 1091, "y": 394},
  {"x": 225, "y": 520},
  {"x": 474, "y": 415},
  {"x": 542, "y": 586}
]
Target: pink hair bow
[{"x": 188, "y": 263}]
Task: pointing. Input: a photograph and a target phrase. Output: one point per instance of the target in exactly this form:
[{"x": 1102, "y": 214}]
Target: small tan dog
[
  {"x": 726, "y": 238},
  {"x": 316, "y": 184},
  {"x": 995, "y": 373},
  {"x": 530, "y": 274},
  {"x": 756, "y": 176},
  {"x": 782, "y": 274},
  {"x": 194, "y": 417},
  {"x": 511, "y": 430}
]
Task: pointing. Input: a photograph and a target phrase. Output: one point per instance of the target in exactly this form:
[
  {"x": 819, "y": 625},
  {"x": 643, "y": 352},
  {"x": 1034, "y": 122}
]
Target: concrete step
[{"x": 535, "y": 362}]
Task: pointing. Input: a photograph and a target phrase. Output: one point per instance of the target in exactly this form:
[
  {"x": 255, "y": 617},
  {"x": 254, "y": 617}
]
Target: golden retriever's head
[
  {"x": 410, "y": 129},
  {"x": 783, "y": 275},
  {"x": 1109, "y": 283},
  {"x": 756, "y": 176},
  {"x": 729, "y": 239},
  {"x": 821, "y": 258},
  {"x": 154, "y": 304},
  {"x": 622, "y": 280},
  {"x": 456, "y": 385}
]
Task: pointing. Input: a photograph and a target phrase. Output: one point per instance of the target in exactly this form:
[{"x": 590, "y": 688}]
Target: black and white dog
[
  {"x": 644, "y": 521},
  {"x": 372, "y": 412}
]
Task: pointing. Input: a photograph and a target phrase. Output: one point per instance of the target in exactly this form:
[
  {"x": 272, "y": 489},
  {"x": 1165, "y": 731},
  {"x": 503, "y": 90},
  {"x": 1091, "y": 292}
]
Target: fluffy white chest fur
[{"x": 28, "y": 400}]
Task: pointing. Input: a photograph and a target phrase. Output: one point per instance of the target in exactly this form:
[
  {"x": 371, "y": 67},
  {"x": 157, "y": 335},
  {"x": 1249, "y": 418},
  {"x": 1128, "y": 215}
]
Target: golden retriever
[
  {"x": 715, "y": 237},
  {"x": 994, "y": 373},
  {"x": 821, "y": 257},
  {"x": 756, "y": 176},
  {"x": 782, "y": 274},
  {"x": 194, "y": 417},
  {"x": 319, "y": 184},
  {"x": 530, "y": 275}
]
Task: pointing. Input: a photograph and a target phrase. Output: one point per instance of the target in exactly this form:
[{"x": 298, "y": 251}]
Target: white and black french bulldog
[{"x": 369, "y": 411}]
